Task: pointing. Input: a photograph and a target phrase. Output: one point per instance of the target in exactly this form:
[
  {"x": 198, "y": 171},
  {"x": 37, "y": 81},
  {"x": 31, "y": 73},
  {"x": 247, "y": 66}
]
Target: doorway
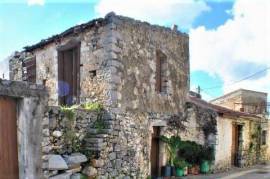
[
  {"x": 69, "y": 76},
  {"x": 236, "y": 143},
  {"x": 155, "y": 150},
  {"x": 8, "y": 139}
]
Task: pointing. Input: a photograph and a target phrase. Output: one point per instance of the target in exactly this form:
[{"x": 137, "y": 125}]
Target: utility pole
[{"x": 199, "y": 89}]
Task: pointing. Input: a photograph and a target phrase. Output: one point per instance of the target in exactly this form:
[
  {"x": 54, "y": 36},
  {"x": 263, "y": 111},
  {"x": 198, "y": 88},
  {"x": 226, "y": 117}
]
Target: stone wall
[
  {"x": 31, "y": 103},
  {"x": 65, "y": 152},
  {"x": 134, "y": 71},
  {"x": 94, "y": 53}
]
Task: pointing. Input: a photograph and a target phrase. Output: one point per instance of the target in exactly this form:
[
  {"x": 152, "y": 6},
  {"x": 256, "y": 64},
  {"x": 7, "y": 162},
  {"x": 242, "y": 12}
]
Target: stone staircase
[{"x": 95, "y": 139}]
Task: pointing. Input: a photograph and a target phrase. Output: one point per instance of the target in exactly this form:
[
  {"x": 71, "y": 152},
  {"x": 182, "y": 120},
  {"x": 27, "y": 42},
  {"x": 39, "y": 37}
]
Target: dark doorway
[
  {"x": 155, "y": 152},
  {"x": 68, "y": 76},
  {"x": 8, "y": 139},
  {"x": 236, "y": 143}
]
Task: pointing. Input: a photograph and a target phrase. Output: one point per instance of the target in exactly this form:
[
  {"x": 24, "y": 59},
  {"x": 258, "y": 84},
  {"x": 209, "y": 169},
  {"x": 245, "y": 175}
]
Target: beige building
[{"x": 242, "y": 128}]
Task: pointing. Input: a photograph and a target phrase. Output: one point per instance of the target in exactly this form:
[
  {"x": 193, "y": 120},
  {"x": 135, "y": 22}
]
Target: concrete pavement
[{"x": 256, "y": 172}]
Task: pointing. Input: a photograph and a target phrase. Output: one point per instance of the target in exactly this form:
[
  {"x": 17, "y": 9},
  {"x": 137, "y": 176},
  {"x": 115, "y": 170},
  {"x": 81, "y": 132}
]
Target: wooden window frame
[
  {"x": 72, "y": 45},
  {"x": 29, "y": 69},
  {"x": 161, "y": 59}
]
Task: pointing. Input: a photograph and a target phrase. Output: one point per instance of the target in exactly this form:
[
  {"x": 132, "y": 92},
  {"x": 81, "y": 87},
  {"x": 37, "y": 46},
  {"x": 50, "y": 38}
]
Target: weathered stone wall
[
  {"x": 223, "y": 147},
  {"x": 31, "y": 100},
  {"x": 94, "y": 54},
  {"x": 134, "y": 51},
  {"x": 64, "y": 137}
]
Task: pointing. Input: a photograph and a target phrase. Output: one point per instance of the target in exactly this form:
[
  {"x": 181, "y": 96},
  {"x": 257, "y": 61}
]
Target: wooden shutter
[
  {"x": 158, "y": 72},
  {"x": 29, "y": 69}
]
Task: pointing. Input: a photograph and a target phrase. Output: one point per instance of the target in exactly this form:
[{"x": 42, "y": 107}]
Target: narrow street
[{"x": 256, "y": 172}]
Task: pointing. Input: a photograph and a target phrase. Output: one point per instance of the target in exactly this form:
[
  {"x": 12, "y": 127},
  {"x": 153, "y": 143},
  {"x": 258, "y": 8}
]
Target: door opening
[
  {"x": 236, "y": 144},
  {"x": 68, "y": 76},
  {"x": 8, "y": 139},
  {"x": 155, "y": 150}
]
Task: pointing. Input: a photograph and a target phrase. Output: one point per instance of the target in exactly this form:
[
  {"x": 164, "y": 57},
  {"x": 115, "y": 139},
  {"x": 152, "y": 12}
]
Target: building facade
[{"x": 139, "y": 73}]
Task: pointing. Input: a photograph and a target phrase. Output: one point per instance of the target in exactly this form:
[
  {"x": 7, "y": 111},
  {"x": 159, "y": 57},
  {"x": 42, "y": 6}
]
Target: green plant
[
  {"x": 71, "y": 139},
  {"x": 93, "y": 106},
  {"x": 190, "y": 151},
  {"x": 69, "y": 111},
  {"x": 180, "y": 163},
  {"x": 99, "y": 124},
  {"x": 172, "y": 145},
  {"x": 206, "y": 154}
]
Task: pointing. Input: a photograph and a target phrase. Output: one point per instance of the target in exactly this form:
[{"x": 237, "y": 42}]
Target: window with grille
[
  {"x": 29, "y": 70},
  {"x": 161, "y": 72}
]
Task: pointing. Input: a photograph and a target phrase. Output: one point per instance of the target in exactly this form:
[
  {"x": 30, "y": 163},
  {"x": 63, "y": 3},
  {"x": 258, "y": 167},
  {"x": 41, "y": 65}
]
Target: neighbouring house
[
  {"x": 139, "y": 74},
  {"x": 249, "y": 129},
  {"x": 242, "y": 128}
]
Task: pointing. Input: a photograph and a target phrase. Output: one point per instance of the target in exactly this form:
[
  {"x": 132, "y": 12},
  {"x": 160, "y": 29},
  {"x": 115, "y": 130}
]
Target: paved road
[{"x": 257, "y": 172}]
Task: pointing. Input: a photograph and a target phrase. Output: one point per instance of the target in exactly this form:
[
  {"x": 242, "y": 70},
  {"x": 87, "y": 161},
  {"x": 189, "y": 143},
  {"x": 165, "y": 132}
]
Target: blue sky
[{"x": 24, "y": 23}]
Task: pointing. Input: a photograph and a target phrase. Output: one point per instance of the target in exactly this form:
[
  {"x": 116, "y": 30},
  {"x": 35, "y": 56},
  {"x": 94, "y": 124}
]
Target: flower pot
[
  {"x": 185, "y": 171},
  {"x": 173, "y": 171},
  {"x": 204, "y": 167},
  {"x": 166, "y": 171},
  {"x": 179, "y": 172},
  {"x": 194, "y": 170}
]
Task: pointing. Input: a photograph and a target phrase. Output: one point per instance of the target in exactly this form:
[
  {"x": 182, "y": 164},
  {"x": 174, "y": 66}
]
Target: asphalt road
[{"x": 256, "y": 172}]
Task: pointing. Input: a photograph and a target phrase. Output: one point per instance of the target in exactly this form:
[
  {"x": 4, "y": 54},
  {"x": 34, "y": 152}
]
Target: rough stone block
[
  {"x": 56, "y": 162},
  {"x": 89, "y": 171},
  {"x": 62, "y": 176},
  {"x": 74, "y": 159}
]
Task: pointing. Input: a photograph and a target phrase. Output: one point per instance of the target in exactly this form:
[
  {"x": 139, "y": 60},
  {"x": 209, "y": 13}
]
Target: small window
[
  {"x": 29, "y": 70},
  {"x": 264, "y": 134},
  {"x": 161, "y": 73},
  {"x": 93, "y": 74}
]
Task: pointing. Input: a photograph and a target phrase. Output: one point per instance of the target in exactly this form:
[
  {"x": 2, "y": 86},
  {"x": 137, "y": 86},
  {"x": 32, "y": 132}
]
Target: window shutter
[{"x": 29, "y": 69}]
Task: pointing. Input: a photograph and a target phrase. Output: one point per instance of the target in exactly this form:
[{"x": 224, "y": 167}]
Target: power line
[{"x": 243, "y": 79}]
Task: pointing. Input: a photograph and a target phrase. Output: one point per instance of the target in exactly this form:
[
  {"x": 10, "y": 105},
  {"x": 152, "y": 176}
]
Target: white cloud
[
  {"x": 35, "y": 2},
  {"x": 163, "y": 12},
  {"x": 238, "y": 48}
]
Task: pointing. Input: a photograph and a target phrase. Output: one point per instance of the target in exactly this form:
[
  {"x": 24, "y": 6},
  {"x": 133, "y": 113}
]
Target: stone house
[
  {"x": 242, "y": 128},
  {"x": 254, "y": 104},
  {"x": 140, "y": 74},
  {"x": 137, "y": 71}
]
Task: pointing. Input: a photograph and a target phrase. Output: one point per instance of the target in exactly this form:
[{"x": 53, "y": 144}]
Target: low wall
[
  {"x": 31, "y": 102},
  {"x": 64, "y": 137}
]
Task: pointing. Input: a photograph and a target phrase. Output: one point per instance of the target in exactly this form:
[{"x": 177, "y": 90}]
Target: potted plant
[
  {"x": 206, "y": 157},
  {"x": 172, "y": 145},
  {"x": 191, "y": 151},
  {"x": 180, "y": 165}
]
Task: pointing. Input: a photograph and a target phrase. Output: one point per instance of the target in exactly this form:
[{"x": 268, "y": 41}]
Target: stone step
[
  {"x": 93, "y": 148},
  {"x": 99, "y": 131},
  {"x": 96, "y": 136},
  {"x": 93, "y": 140},
  {"x": 98, "y": 145}
]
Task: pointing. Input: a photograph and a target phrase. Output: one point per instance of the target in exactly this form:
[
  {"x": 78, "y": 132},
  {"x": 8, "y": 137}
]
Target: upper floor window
[
  {"x": 29, "y": 69},
  {"x": 263, "y": 137},
  {"x": 161, "y": 72}
]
